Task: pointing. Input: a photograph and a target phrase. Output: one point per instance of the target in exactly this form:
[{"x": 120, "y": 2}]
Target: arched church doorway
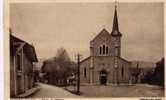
[{"x": 103, "y": 77}]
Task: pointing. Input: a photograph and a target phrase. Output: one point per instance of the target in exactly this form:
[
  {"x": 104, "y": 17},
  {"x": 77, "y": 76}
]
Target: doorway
[{"x": 103, "y": 77}]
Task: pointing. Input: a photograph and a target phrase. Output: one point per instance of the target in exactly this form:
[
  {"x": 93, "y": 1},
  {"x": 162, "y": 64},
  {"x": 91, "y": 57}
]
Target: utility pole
[{"x": 78, "y": 74}]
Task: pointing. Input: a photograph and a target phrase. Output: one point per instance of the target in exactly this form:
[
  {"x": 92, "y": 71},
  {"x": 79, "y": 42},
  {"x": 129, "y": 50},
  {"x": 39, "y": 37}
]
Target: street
[
  {"x": 136, "y": 90},
  {"x": 49, "y": 91}
]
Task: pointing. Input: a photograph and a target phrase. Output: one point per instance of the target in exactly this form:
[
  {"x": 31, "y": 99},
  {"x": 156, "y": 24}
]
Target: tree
[
  {"x": 63, "y": 60},
  {"x": 58, "y": 68},
  {"x": 62, "y": 55},
  {"x": 50, "y": 67},
  {"x": 158, "y": 76}
]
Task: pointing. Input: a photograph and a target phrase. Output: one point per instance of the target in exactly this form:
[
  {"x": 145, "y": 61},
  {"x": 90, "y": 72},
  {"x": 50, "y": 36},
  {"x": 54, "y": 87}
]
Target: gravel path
[
  {"x": 49, "y": 91},
  {"x": 138, "y": 90}
]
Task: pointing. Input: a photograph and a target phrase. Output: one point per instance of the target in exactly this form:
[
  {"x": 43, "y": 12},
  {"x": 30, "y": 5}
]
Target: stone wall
[
  {"x": 85, "y": 64},
  {"x": 98, "y": 61},
  {"x": 103, "y": 38},
  {"x": 105, "y": 62},
  {"x": 124, "y": 71}
]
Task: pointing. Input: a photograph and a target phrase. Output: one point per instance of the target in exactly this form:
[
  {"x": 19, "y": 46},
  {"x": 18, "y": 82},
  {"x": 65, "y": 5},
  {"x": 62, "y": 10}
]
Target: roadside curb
[{"x": 29, "y": 92}]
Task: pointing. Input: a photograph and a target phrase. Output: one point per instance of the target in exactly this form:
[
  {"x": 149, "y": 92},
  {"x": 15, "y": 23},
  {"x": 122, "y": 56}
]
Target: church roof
[
  {"x": 85, "y": 59},
  {"x": 102, "y": 32},
  {"x": 124, "y": 60},
  {"x": 120, "y": 58},
  {"x": 115, "y": 27}
]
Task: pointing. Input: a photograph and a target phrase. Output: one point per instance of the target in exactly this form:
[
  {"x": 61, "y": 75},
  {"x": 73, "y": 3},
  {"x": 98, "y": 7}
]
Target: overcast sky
[{"x": 50, "y": 26}]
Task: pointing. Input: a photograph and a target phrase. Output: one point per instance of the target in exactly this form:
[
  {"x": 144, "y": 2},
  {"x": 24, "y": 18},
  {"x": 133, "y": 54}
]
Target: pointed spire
[
  {"x": 115, "y": 21},
  {"x": 115, "y": 28}
]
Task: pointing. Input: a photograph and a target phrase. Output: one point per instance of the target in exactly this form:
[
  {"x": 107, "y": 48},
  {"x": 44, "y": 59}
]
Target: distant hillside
[{"x": 142, "y": 64}]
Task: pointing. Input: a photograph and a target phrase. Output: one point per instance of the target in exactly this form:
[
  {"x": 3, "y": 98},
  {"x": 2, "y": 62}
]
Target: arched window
[
  {"x": 107, "y": 50},
  {"x": 100, "y": 50},
  {"x": 103, "y": 49}
]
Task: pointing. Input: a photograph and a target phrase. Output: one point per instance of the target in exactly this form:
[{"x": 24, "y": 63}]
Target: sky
[{"x": 49, "y": 26}]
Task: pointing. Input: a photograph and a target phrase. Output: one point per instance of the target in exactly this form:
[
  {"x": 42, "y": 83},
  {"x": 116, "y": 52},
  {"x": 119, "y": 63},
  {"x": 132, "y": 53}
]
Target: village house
[{"x": 22, "y": 59}]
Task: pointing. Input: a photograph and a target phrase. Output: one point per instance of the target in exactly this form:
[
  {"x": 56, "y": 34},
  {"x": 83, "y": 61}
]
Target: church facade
[{"x": 105, "y": 64}]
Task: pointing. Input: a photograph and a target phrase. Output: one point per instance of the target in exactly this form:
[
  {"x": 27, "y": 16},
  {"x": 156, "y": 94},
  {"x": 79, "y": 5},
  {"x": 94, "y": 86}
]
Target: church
[{"x": 105, "y": 64}]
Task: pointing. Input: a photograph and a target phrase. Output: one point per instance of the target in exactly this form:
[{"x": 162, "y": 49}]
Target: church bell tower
[
  {"x": 116, "y": 35},
  {"x": 116, "y": 44}
]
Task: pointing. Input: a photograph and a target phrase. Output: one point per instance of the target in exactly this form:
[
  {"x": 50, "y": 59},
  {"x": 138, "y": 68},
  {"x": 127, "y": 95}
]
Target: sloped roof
[
  {"x": 87, "y": 58},
  {"x": 124, "y": 59},
  {"x": 28, "y": 49},
  {"x": 103, "y": 31}
]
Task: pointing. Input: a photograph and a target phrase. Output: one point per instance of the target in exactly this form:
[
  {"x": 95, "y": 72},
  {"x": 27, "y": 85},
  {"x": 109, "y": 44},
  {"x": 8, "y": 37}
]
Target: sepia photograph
[{"x": 86, "y": 50}]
